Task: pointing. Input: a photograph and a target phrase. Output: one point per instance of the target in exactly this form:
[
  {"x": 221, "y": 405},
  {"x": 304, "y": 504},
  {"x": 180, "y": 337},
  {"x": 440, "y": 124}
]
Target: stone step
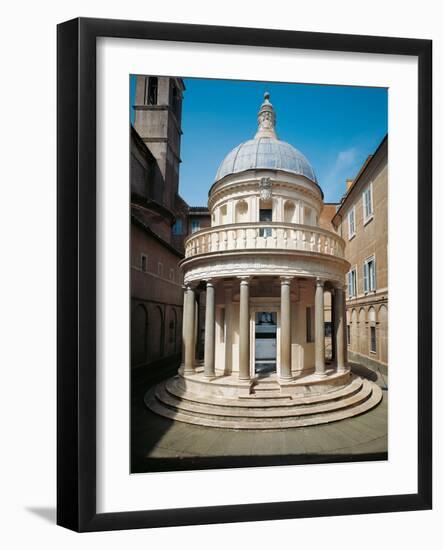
[
  {"x": 255, "y": 401},
  {"x": 267, "y": 423},
  {"x": 267, "y": 392},
  {"x": 231, "y": 411}
]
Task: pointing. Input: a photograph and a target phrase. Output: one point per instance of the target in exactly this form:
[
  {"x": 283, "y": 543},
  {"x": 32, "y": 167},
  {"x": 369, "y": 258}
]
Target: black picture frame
[{"x": 76, "y": 294}]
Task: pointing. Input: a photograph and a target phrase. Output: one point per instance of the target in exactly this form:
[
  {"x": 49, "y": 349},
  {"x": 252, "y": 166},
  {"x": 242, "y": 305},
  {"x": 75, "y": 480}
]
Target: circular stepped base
[{"x": 265, "y": 406}]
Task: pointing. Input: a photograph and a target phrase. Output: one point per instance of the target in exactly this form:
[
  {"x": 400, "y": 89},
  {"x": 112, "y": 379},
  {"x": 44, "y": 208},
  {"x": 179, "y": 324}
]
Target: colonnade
[{"x": 339, "y": 334}]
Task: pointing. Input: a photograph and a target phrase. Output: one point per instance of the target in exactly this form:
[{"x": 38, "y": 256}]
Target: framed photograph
[{"x": 244, "y": 274}]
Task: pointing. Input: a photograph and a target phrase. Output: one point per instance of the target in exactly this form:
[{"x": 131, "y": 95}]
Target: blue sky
[{"x": 335, "y": 127}]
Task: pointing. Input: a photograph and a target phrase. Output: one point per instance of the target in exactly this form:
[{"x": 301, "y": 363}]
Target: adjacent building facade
[
  {"x": 159, "y": 222},
  {"x": 362, "y": 221}
]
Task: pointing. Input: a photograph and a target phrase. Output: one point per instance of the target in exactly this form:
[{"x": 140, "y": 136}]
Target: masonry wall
[
  {"x": 156, "y": 300},
  {"x": 368, "y": 309}
]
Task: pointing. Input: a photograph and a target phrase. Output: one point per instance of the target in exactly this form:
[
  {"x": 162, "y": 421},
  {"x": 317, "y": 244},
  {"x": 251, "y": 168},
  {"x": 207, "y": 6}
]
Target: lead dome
[{"x": 266, "y": 151}]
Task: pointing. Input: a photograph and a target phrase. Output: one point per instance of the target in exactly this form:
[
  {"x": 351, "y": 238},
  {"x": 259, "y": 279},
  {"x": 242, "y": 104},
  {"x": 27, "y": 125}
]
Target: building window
[
  {"x": 369, "y": 275},
  {"x": 352, "y": 283},
  {"x": 373, "y": 348},
  {"x": 351, "y": 223},
  {"x": 144, "y": 262},
  {"x": 348, "y": 334},
  {"x": 265, "y": 215},
  {"x": 152, "y": 90},
  {"x": 195, "y": 225},
  {"x": 177, "y": 228},
  {"x": 160, "y": 269},
  {"x": 368, "y": 211},
  {"x": 309, "y": 325}
]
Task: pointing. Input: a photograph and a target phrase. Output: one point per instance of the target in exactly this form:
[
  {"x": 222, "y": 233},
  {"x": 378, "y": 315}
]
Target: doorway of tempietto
[{"x": 265, "y": 343}]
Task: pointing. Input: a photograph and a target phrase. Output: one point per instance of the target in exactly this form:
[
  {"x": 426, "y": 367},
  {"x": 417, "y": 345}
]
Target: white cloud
[
  {"x": 344, "y": 165},
  {"x": 345, "y": 159}
]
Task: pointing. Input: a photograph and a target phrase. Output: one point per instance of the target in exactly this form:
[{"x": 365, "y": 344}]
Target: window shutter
[
  {"x": 373, "y": 275},
  {"x": 349, "y": 284},
  {"x": 365, "y": 276}
]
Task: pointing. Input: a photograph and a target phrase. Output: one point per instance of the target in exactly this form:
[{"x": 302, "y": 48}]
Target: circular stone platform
[{"x": 263, "y": 403}]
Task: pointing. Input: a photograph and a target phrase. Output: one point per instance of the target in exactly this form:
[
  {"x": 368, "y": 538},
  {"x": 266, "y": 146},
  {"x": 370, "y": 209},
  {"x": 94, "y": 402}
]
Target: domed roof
[{"x": 266, "y": 151}]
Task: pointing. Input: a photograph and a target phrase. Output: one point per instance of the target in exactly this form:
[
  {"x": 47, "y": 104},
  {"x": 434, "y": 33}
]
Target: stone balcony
[{"x": 275, "y": 236}]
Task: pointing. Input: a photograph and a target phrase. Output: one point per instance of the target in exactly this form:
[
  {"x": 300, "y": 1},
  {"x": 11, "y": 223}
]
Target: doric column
[
  {"x": 333, "y": 327},
  {"x": 244, "y": 343},
  {"x": 185, "y": 303},
  {"x": 189, "y": 329},
  {"x": 320, "y": 367},
  {"x": 210, "y": 330},
  {"x": 339, "y": 328},
  {"x": 227, "y": 288},
  {"x": 285, "y": 328},
  {"x": 196, "y": 324}
]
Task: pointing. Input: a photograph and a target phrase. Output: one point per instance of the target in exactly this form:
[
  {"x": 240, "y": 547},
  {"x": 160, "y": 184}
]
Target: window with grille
[{"x": 373, "y": 340}]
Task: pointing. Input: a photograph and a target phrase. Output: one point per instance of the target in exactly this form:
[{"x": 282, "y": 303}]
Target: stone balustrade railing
[{"x": 264, "y": 235}]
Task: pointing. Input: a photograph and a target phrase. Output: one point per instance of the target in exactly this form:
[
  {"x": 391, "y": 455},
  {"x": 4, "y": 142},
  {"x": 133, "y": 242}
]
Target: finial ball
[{"x": 267, "y": 95}]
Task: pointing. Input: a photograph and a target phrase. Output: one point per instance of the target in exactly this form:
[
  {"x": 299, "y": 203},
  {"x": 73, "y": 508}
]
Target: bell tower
[{"x": 158, "y": 109}]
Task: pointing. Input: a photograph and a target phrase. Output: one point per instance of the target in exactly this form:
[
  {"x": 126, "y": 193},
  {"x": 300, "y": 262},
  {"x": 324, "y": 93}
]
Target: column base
[{"x": 320, "y": 374}]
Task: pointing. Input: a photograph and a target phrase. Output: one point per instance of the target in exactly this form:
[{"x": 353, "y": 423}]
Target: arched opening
[
  {"x": 354, "y": 331},
  {"x": 383, "y": 333},
  {"x": 289, "y": 212},
  {"x": 139, "y": 335},
  {"x": 241, "y": 212},
  {"x": 156, "y": 331},
  {"x": 172, "y": 331},
  {"x": 362, "y": 338},
  {"x": 372, "y": 335}
]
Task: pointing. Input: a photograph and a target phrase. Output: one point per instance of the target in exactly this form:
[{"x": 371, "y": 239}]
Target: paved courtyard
[{"x": 159, "y": 444}]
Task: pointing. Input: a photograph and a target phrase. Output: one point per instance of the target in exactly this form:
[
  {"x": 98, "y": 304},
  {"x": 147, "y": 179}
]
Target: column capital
[
  {"x": 209, "y": 282},
  {"x": 338, "y": 286},
  {"x": 189, "y": 286},
  {"x": 320, "y": 282},
  {"x": 286, "y": 280},
  {"x": 244, "y": 280}
]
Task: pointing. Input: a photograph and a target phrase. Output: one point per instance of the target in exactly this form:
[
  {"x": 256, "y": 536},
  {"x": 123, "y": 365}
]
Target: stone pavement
[{"x": 159, "y": 444}]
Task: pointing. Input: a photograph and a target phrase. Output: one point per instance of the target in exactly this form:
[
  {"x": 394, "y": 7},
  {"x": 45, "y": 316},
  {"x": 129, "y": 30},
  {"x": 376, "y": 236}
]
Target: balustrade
[{"x": 264, "y": 235}]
